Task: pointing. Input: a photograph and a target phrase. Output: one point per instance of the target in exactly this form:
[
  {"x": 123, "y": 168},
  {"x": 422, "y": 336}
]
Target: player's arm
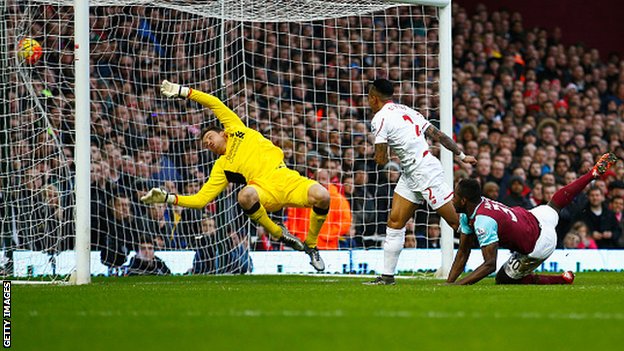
[
  {"x": 379, "y": 129},
  {"x": 211, "y": 189},
  {"x": 226, "y": 116},
  {"x": 463, "y": 252},
  {"x": 488, "y": 266},
  {"x": 436, "y": 135},
  {"x": 381, "y": 153}
]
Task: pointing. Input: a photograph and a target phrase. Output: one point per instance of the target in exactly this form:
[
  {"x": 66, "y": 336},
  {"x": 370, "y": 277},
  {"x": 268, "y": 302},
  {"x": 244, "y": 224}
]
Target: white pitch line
[{"x": 431, "y": 314}]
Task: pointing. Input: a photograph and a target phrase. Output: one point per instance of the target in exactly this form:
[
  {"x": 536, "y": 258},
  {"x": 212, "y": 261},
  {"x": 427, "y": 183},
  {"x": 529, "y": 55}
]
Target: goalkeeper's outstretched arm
[
  {"x": 226, "y": 116},
  {"x": 211, "y": 189}
]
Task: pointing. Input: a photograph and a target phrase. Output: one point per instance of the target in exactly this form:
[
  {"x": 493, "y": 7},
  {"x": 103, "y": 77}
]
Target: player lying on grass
[
  {"x": 246, "y": 157},
  {"x": 530, "y": 235},
  {"x": 405, "y": 131}
]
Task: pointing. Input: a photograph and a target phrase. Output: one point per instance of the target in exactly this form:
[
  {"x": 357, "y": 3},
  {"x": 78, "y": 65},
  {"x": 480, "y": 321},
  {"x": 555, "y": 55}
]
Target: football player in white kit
[{"x": 404, "y": 130}]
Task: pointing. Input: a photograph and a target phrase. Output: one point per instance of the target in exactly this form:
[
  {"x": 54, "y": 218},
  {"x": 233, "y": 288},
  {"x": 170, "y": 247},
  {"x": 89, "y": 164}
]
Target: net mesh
[{"x": 294, "y": 70}]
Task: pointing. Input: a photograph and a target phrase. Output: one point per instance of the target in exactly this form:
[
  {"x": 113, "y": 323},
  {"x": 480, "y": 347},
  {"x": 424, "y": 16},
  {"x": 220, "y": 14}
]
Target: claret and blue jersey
[{"x": 513, "y": 228}]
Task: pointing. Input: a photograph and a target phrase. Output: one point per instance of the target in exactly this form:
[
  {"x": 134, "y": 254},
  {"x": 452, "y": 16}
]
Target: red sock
[
  {"x": 565, "y": 195},
  {"x": 542, "y": 279}
]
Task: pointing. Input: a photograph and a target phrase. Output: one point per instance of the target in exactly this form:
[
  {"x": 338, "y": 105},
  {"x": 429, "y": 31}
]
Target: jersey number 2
[{"x": 416, "y": 127}]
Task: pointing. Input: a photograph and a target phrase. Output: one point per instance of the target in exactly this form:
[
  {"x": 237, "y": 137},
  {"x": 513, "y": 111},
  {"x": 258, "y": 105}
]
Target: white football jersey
[{"x": 403, "y": 129}]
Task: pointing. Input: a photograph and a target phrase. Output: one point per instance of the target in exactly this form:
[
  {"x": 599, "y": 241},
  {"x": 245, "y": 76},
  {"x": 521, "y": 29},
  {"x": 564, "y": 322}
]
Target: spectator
[
  {"x": 362, "y": 208},
  {"x": 601, "y": 221},
  {"x": 57, "y": 221},
  {"x": 337, "y": 224},
  {"x": 236, "y": 259},
  {"x": 491, "y": 190},
  {"x": 145, "y": 261},
  {"x": 383, "y": 193},
  {"x": 467, "y": 133},
  {"x": 562, "y": 166},
  {"x": 164, "y": 168},
  {"x": 483, "y": 169},
  {"x": 100, "y": 194},
  {"x": 139, "y": 189},
  {"x": 411, "y": 239},
  {"x": 515, "y": 198},
  {"x": 536, "y": 197},
  {"x": 617, "y": 206},
  {"x": 186, "y": 222},
  {"x": 313, "y": 163},
  {"x": 616, "y": 189},
  {"x": 535, "y": 172},
  {"x": 432, "y": 241},
  {"x": 122, "y": 232},
  {"x": 571, "y": 241},
  {"x": 581, "y": 230},
  {"x": 499, "y": 175},
  {"x": 548, "y": 190},
  {"x": 208, "y": 248},
  {"x": 31, "y": 211},
  {"x": 155, "y": 224}
]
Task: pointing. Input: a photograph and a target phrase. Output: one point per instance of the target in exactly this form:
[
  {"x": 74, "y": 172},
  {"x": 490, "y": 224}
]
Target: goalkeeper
[{"x": 246, "y": 157}]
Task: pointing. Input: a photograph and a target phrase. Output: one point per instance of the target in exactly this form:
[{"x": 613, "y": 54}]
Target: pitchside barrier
[{"x": 33, "y": 264}]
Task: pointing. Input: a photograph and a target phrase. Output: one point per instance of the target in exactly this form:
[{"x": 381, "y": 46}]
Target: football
[{"x": 29, "y": 50}]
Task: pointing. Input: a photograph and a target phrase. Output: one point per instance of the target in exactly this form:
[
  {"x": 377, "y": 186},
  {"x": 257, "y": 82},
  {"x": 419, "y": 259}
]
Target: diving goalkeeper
[{"x": 246, "y": 157}]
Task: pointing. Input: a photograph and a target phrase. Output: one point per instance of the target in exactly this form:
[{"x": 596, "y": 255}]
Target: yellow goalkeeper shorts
[{"x": 283, "y": 188}]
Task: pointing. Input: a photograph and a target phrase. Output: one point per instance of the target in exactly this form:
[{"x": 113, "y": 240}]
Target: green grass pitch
[{"x": 317, "y": 313}]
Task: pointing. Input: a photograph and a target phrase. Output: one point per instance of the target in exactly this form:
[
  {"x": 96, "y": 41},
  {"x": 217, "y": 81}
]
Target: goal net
[{"x": 297, "y": 71}]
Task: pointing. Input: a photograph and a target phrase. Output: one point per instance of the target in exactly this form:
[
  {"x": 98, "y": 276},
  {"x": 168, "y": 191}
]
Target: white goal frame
[
  {"x": 446, "y": 116},
  {"x": 83, "y": 133}
]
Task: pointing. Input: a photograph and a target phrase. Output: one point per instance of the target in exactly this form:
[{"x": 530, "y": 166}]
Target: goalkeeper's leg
[
  {"x": 319, "y": 198},
  {"x": 249, "y": 200}
]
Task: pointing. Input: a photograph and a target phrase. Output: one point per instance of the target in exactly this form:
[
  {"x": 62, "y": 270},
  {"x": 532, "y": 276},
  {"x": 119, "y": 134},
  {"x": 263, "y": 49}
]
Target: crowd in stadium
[
  {"x": 535, "y": 113},
  {"x": 538, "y": 114}
]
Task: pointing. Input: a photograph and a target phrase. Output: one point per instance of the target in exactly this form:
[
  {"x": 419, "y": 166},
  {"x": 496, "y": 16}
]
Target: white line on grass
[{"x": 431, "y": 314}]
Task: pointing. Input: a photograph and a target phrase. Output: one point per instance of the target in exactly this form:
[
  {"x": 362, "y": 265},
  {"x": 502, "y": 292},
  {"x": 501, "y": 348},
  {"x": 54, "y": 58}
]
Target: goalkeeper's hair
[
  {"x": 469, "y": 189},
  {"x": 212, "y": 128},
  {"x": 382, "y": 88}
]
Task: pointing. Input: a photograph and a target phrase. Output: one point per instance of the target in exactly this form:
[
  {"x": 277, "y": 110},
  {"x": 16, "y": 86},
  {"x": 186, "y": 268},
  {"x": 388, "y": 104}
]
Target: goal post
[
  {"x": 446, "y": 126},
  {"x": 296, "y": 71},
  {"x": 446, "y": 117},
  {"x": 82, "y": 147}
]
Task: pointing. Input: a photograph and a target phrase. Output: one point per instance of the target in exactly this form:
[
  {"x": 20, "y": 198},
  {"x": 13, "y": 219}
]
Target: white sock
[{"x": 395, "y": 238}]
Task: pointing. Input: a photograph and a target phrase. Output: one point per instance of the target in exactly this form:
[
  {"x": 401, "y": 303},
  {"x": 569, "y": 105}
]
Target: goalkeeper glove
[
  {"x": 159, "y": 196},
  {"x": 170, "y": 89}
]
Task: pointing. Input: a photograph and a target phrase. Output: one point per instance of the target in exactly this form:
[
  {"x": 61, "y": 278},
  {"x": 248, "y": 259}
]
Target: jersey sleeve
[
  {"x": 211, "y": 189},
  {"x": 379, "y": 129},
  {"x": 422, "y": 122},
  {"x": 463, "y": 224},
  {"x": 227, "y": 117},
  {"x": 486, "y": 229}
]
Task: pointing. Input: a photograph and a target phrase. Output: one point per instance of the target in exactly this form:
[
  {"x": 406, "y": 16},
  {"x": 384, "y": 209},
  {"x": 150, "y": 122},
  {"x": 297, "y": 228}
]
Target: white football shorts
[
  {"x": 427, "y": 184},
  {"x": 520, "y": 265}
]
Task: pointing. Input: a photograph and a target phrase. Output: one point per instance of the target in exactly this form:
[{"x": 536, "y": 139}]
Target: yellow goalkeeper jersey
[{"x": 248, "y": 155}]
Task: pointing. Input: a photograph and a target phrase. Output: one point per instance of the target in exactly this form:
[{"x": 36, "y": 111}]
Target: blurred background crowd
[{"x": 536, "y": 114}]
